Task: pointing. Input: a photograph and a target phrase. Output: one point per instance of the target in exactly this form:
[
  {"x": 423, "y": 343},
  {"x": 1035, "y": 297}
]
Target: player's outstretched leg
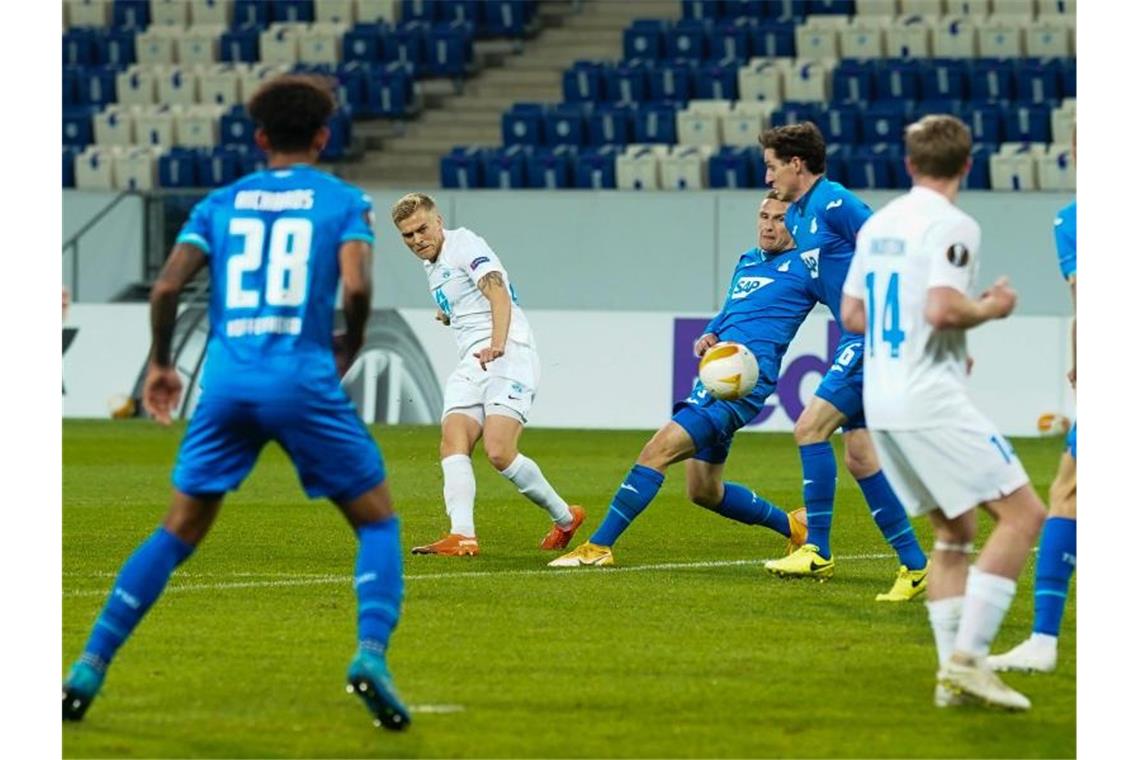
[
  {"x": 139, "y": 584},
  {"x": 1056, "y": 561},
  {"x": 460, "y": 432},
  {"x": 379, "y": 583},
  {"x": 500, "y": 440},
  {"x": 704, "y": 481}
]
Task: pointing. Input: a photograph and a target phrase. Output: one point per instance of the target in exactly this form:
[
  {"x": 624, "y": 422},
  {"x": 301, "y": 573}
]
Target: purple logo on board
[{"x": 795, "y": 368}]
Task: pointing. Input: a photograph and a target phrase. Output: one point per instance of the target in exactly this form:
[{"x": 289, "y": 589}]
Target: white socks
[
  {"x": 459, "y": 493},
  {"x": 945, "y": 615},
  {"x": 526, "y": 476},
  {"x": 987, "y": 600}
]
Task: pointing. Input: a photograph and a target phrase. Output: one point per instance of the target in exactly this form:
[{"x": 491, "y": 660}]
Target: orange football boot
[
  {"x": 451, "y": 545},
  {"x": 559, "y": 538},
  {"x": 797, "y": 522}
]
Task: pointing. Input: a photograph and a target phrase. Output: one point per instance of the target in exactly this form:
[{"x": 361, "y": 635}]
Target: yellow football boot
[
  {"x": 586, "y": 555},
  {"x": 908, "y": 585},
  {"x": 805, "y": 562}
]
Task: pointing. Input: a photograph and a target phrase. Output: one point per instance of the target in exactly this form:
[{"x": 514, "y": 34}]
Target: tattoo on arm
[{"x": 490, "y": 282}]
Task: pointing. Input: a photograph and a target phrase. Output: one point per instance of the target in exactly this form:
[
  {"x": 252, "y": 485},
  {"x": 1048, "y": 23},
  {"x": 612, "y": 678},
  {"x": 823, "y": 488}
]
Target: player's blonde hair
[
  {"x": 410, "y": 204},
  {"x": 938, "y": 146}
]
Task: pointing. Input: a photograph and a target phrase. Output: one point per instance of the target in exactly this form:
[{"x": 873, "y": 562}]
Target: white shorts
[
  {"x": 506, "y": 387},
  {"x": 951, "y": 469}
]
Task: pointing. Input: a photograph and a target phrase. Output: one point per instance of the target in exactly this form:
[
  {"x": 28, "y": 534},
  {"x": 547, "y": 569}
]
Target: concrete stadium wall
[{"x": 609, "y": 250}]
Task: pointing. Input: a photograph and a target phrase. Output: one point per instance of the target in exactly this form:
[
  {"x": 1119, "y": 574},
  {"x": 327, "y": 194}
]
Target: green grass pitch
[{"x": 686, "y": 649}]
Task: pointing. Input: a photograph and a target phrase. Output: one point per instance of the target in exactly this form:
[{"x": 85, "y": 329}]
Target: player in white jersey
[
  {"x": 907, "y": 291},
  {"x": 489, "y": 394}
]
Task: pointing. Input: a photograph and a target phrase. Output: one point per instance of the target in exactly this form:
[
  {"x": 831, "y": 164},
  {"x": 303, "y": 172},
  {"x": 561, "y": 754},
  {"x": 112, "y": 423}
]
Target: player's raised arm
[
  {"x": 356, "y": 286},
  {"x": 494, "y": 289},
  {"x": 162, "y": 388}
]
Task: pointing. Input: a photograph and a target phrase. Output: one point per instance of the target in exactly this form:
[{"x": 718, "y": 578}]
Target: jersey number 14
[
  {"x": 287, "y": 276},
  {"x": 892, "y": 332}
]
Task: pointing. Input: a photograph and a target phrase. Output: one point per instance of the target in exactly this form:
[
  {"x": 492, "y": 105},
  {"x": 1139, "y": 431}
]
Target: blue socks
[
  {"x": 379, "y": 583},
  {"x": 140, "y": 582},
  {"x": 742, "y": 505},
  {"x": 820, "y": 472},
  {"x": 1056, "y": 560},
  {"x": 630, "y": 500},
  {"x": 888, "y": 513}
]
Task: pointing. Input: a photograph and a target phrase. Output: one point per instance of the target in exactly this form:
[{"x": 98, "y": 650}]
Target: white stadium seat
[
  {"x": 863, "y": 37},
  {"x": 817, "y": 41},
  {"x": 212, "y": 12},
  {"x": 114, "y": 125},
  {"x": 89, "y": 12},
  {"x": 155, "y": 125},
  {"x": 371, "y": 11},
  {"x": 809, "y": 81},
  {"x": 197, "y": 126},
  {"x": 336, "y": 11},
  {"x": 178, "y": 85},
  {"x": 700, "y": 122},
  {"x": 1056, "y": 170},
  {"x": 1020, "y": 8},
  {"x": 1057, "y": 9},
  {"x": 138, "y": 85},
  {"x": 170, "y": 12},
  {"x": 909, "y": 37},
  {"x": 279, "y": 44},
  {"x": 220, "y": 85},
  {"x": 741, "y": 126},
  {"x": 1063, "y": 121},
  {"x": 977, "y": 9},
  {"x": 95, "y": 168},
  {"x": 931, "y": 8},
  {"x": 955, "y": 37},
  {"x": 1001, "y": 39},
  {"x": 136, "y": 169},
  {"x": 1014, "y": 167},
  {"x": 199, "y": 44},
  {"x": 686, "y": 168},
  {"x": 637, "y": 167},
  {"x": 320, "y": 43},
  {"x": 156, "y": 47},
  {"x": 761, "y": 80},
  {"x": 1049, "y": 38},
  {"x": 886, "y": 9},
  {"x": 253, "y": 75}
]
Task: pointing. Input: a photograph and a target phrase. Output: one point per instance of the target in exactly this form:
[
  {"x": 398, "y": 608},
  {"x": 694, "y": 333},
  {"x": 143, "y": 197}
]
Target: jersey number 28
[
  {"x": 892, "y": 332},
  {"x": 287, "y": 276}
]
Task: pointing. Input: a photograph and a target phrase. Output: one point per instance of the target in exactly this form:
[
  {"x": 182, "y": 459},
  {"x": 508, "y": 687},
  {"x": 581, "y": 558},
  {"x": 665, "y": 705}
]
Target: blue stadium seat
[
  {"x": 774, "y": 40},
  {"x": 991, "y": 80},
  {"x": 218, "y": 166},
  {"x": 836, "y": 162},
  {"x": 732, "y": 39},
  {"x": 78, "y": 130},
  {"x": 236, "y": 128},
  {"x": 69, "y": 155},
  {"x": 709, "y": 10},
  {"x": 70, "y": 86},
  {"x": 938, "y": 106},
  {"x": 251, "y": 13},
  {"x": 897, "y": 79},
  {"x": 507, "y": 18},
  {"x": 1068, "y": 67},
  {"x": 551, "y": 168},
  {"x": 627, "y": 82},
  {"x": 842, "y": 123},
  {"x": 428, "y": 11},
  {"x": 853, "y": 81},
  {"x": 523, "y": 124},
  {"x": 469, "y": 11},
  {"x": 79, "y": 47},
  {"x": 240, "y": 45},
  {"x": 979, "y": 176},
  {"x": 564, "y": 124},
  {"x": 610, "y": 125},
  {"x": 115, "y": 47},
  {"x": 944, "y": 78},
  {"x": 831, "y": 7},
  {"x": 449, "y": 49},
  {"x": 734, "y": 167},
  {"x": 645, "y": 38},
  {"x": 462, "y": 168},
  {"x": 354, "y": 82},
  {"x": 688, "y": 39},
  {"x": 718, "y": 81},
  {"x": 252, "y": 161},
  {"x": 405, "y": 44},
  {"x": 96, "y": 85},
  {"x": 776, "y": 10},
  {"x": 340, "y": 135},
  {"x": 596, "y": 168},
  {"x": 391, "y": 89},
  {"x": 178, "y": 167},
  {"x": 985, "y": 122},
  {"x": 292, "y": 10},
  {"x": 674, "y": 81},
  {"x": 364, "y": 43},
  {"x": 584, "y": 82},
  {"x": 1038, "y": 83},
  {"x": 1027, "y": 124},
  {"x": 884, "y": 121},
  {"x": 655, "y": 123},
  {"x": 873, "y": 167},
  {"x": 130, "y": 14},
  {"x": 792, "y": 112},
  {"x": 505, "y": 168}
]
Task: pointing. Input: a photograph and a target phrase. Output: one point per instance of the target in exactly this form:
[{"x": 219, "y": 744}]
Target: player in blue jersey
[
  {"x": 768, "y": 298},
  {"x": 824, "y": 218},
  {"x": 1057, "y": 552},
  {"x": 276, "y": 243}
]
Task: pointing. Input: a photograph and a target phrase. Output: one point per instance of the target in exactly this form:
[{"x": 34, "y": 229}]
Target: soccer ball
[{"x": 729, "y": 371}]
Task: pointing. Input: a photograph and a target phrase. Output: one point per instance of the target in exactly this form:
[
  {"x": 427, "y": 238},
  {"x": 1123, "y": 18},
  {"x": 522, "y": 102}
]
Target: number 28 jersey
[
  {"x": 272, "y": 239},
  {"x": 914, "y": 376}
]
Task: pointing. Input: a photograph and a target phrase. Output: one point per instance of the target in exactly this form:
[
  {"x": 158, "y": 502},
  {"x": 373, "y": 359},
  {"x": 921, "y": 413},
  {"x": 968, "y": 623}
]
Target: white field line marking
[
  {"x": 437, "y": 709},
  {"x": 302, "y": 579}
]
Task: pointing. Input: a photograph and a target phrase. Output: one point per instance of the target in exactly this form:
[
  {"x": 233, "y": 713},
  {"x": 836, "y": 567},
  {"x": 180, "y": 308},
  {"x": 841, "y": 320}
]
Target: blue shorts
[
  {"x": 1071, "y": 441},
  {"x": 331, "y": 449},
  {"x": 842, "y": 386},
  {"x": 712, "y": 423}
]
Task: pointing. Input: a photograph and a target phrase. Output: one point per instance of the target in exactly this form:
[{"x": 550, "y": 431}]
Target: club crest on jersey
[
  {"x": 811, "y": 261},
  {"x": 479, "y": 262},
  {"x": 958, "y": 255},
  {"x": 746, "y": 286}
]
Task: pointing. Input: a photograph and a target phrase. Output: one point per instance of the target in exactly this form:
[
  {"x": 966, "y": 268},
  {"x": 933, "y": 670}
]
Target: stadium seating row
[
  {"x": 799, "y": 9},
  {"x": 717, "y": 122},
  {"x": 143, "y": 168},
  {"x": 435, "y": 50},
  {"x": 859, "y": 37},
  {"x": 488, "y": 18},
  {"x": 1012, "y": 166},
  {"x": 1029, "y": 81}
]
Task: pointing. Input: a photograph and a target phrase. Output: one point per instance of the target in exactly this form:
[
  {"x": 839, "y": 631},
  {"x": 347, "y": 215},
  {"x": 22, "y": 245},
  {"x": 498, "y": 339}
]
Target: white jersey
[
  {"x": 464, "y": 259},
  {"x": 914, "y": 377}
]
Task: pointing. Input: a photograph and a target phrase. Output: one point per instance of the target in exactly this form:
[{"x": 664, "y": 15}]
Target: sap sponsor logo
[
  {"x": 811, "y": 261},
  {"x": 479, "y": 262},
  {"x": 746, "y": 286}
]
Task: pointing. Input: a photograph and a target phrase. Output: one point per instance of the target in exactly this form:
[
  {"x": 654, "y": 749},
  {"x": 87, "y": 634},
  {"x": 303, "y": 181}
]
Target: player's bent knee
[
  {"x": 500, "y": 457},
  {"x": 706, "y": 495}
]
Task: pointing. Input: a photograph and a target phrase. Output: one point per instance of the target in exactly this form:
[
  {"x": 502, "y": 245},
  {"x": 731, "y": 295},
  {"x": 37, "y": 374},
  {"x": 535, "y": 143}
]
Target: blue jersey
[
  {"x": 824, "y": 223},
  {"x": 766, "y": 303},
  {"x": 1065, "y": 234},
  {"x": 272, "y": 239}
]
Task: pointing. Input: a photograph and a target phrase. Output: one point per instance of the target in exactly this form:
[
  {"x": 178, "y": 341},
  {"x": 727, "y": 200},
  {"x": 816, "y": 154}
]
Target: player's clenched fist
[
  {"x": 704, "y": 343},
  {"x": 488, "y": 355},
  {"x": 1000, "y": 298},
  {"x": 162, "y": 390}
]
